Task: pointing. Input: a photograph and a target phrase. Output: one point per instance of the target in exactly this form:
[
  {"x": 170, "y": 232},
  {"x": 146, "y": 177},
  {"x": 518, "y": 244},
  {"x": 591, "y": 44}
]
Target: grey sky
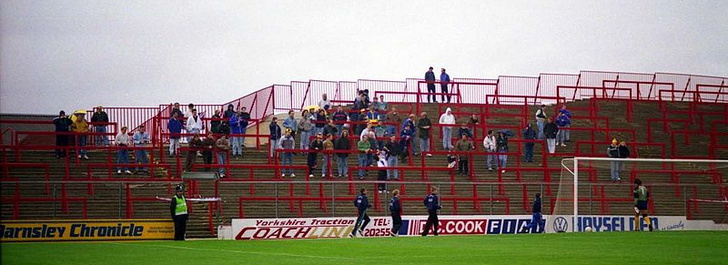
[{"x": 70, "y": 54}]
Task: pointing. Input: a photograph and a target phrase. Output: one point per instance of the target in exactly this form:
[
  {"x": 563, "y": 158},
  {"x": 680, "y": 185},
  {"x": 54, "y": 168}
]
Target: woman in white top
[
  {"x": 489, "y": 143},
  {"x": 122, "y": 143},
  {"x": 447, "y": 119}
]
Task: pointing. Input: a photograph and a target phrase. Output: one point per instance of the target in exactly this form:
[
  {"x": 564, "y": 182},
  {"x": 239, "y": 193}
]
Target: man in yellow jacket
[{"x": 80, "y": 127}]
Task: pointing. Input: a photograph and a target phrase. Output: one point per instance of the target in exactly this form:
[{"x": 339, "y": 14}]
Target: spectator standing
[
  {"x": 464, "y": 146},
  {"x": 540, "y": 121},
  {"x": 63, "y": 126},
  {"x": 393, "y": 119},
  {"x": 178, "y": 210},
  {"x": 614, "y": 166},
  {"x": 394, "y": 150},
  {"x": 223, "y": 147},
  {"x": 342, "y": 144},
  {"x": 122, "y": 157},
  {"x": 395, "y": 209},
  {"x": 623, "y": 153},
  {"x": 324, "y": 104},
  {"x": 244, "y": 122},
  {"x": 190, "y": 108},
  {"x": 328, "y": 148},
  {"x": 473, "y": 122},
  {"x": 382, "y": 107},
  {"x": 236, "y": 140},
  {"x": 287, "y": 143},
  {"x": 208, "y": 145},
  {"x": 215, "y": 122},
  {"x": 365, "y": 149},
  {"x": 330, "y": 129},
  {"x": 424, "y": 124},
  {"x": 563, "y": 123},
  {"x": 430, "y": 79},
  {"x": 194, "y": 123},
  {"x": 229, "y": 112},
  {"x": 567, "y": 131},
  {"x": 363, "y": 121},
  {"x": 406, "y": 137},
  {"x": 174, "y": 126},
  {"x": 465, "y": 130},
  {"x": 501, "y": 144},
  {"x": 305, "y": 127},
  {"x": 195, "y": 146},
  {"x": 320, "y": 121},
  {"x": 141, "y": 140},
  {"x": 447, "y": 120},
  {"x": 529, "y": 134},
  {"x": 382, "y": 171},
  {"x": 224, "y": 127},
  {"x": 290, "y": 123},
  {"x": 176, "y": 109},
  {"x": 410, "y": 120},
  {"x": 316, "y": 146},
  {"x": 340, "y": 118},
  {"x": 444, "y": 81},
  {"x": 489, "y": 142},
  {"x": 550, "y": 130},
  {"x": 80, "y": 127},
  {"x": 275, "y": 135},
  {"x": 100, "y": 120},
  {"x": 362, "y": 204},
  {"x": 432, "y": 202}
]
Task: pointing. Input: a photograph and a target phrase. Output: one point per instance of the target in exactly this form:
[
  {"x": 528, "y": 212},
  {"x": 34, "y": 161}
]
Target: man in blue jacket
[
  {"x": 536, "y": 219},
  {"x": 432, "y": 202},
  {"x": 395, "y": 208},
  {"x": 175, "y": 129},
  {"x": 430, "y": 78},
  {"x": 362, "y": 204},
  {"x": 563, "y": 122},
  {"x": 275, "y": 135},
  {"x": 444, "y": 80}
]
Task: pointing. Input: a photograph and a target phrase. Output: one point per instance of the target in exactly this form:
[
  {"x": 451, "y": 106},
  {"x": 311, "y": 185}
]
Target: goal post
[{"x": 593, "y": 186}]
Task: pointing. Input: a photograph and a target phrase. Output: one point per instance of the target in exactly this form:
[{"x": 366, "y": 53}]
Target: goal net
[{"x": 597, "y": 192}]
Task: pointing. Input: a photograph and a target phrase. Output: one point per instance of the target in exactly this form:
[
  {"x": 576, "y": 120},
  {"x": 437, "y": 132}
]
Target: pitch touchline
[{"x": 248, "y": 252}]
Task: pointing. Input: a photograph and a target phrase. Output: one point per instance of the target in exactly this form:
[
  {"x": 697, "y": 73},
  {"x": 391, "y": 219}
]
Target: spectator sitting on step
[
  {"x": 195, "y": 145},
  {"x": 372, "y": 113},
  {"x": 465, "y": 130},
  {"x": 324, "y": 104},
  {"x": 122, "y": 157}
]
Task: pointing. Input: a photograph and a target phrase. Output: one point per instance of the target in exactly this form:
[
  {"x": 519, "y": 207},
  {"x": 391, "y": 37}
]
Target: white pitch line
[{"x": 244, "y": 252}]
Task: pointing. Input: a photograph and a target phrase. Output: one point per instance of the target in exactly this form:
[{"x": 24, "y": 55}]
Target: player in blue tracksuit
[
  {"x": 433, "y": 204},
  {"x": 537, "y": 219},
  {"x": 362, "y": 204},
  {"x": 395, "y": 208}
]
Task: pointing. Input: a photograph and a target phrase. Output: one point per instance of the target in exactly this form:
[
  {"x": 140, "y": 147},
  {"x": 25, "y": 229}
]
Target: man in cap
[{"x": 178, "y": 210}]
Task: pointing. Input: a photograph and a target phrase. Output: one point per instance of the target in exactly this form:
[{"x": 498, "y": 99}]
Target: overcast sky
[{"x": 70, "y": 54}]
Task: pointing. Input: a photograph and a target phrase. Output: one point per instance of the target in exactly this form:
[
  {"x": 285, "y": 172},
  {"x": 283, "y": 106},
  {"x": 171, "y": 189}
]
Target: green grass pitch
[{"x": 704, "y": 247}]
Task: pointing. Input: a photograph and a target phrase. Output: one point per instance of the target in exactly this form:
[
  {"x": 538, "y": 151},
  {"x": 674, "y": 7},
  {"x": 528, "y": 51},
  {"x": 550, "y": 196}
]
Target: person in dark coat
[
  {"x": 342, "y": 144},
  {"x": 529, "y": 134},
  {"x": 362, "y": 204},
  {"x": 63, "y": 126},
  {"x": 550, "y": 130},
  {"x": 432, "y": 202},
  {"x": 395, "y": 209}
]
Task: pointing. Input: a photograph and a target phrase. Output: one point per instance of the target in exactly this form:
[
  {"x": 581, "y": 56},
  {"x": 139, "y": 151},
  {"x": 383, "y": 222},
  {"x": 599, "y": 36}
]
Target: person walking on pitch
[
  {"x": 537, "y": 219},
  {"x": 362, "y": 204},
  {"x": 395, "y": 209},
  {"x": 433, "y": 204}
]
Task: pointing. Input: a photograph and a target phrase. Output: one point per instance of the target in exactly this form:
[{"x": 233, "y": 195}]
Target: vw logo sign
[{"x": 561, "y": 225}]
